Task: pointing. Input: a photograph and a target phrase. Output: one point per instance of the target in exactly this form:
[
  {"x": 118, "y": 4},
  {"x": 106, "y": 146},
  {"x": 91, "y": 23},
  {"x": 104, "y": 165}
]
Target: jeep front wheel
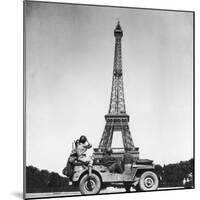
[
  {"x": 148, "y": 181},
  {"x": 90, "y": 185}
]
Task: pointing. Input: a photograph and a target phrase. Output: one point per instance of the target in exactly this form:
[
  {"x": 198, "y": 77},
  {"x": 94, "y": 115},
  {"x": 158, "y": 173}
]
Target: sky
[{"x": 69, "y": 63}]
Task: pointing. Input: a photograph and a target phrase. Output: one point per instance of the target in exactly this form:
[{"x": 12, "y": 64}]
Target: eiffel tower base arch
[{"x": 114, "y": 123}]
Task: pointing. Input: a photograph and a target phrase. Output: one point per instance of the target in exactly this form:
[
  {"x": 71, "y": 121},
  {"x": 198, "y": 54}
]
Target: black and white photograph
[{"x": 108, "y": 99}]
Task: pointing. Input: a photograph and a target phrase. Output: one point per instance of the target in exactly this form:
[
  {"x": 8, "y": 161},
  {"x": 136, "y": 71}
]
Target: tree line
[
  {"x": 173, "y": 175},
  {"x": 38, "y": 181}
]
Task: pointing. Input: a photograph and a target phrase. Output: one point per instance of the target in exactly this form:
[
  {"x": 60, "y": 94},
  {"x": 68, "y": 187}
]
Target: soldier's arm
[{"x": 88, "y": 145}]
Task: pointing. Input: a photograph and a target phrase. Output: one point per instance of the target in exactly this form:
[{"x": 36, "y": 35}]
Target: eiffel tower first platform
[{"x": 117, "y": 119}]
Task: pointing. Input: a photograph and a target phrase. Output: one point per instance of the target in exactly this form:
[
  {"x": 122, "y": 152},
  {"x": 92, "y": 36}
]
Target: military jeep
[{"x": 137, "y": 173}]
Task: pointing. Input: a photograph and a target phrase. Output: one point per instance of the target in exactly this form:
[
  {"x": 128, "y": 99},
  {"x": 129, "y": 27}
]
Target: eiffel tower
[{"x": 117, "y": 119}]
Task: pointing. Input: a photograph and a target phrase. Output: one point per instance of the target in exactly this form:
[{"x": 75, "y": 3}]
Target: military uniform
[
  {"x": 81, "y": 149},
  {"x": 114, "y": 165}
]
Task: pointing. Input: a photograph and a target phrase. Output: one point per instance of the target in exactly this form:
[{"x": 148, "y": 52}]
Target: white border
[{"x": 11, "y": 87}]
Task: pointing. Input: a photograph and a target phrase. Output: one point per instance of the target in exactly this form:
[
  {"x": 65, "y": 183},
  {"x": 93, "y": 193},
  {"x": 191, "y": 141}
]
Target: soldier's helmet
[{"x": 82, "y": 139}]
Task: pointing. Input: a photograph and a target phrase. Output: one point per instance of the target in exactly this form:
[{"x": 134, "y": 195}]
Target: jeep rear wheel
[
  {"x": 148, "y": 181},
  {"x": 90, "y": 185}
]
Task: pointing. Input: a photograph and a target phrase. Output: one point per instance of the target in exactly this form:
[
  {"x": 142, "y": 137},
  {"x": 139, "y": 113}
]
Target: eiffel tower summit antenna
[{"x": 117, "y": 119}]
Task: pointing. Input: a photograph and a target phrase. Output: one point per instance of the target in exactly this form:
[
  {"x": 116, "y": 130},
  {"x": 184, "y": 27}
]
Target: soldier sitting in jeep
[{"x": 113, "y": 164}]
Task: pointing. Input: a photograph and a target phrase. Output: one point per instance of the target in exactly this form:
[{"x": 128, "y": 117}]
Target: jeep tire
[{"x": 90, "y": 185}]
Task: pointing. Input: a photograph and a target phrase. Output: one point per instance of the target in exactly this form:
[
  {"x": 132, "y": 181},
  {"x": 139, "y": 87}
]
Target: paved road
[{"x": 64, "y": 194}]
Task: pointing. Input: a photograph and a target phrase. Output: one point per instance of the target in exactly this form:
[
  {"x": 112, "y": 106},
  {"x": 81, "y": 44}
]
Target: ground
[{"x": 64, "y": 194}]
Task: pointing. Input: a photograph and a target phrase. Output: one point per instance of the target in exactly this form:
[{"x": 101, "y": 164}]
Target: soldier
[
  {"x": 114, "y": 165},
  {"x": 82, "y": 145}
]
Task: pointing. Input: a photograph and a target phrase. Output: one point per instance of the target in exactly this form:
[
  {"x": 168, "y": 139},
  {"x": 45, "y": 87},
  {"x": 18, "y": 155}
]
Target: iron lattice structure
[{"x": 117, "y": 119}]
